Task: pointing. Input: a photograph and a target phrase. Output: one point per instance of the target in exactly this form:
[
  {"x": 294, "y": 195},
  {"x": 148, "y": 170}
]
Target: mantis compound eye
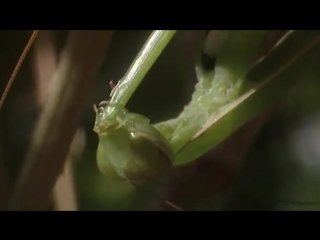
[{"x": 102, "y": 105}]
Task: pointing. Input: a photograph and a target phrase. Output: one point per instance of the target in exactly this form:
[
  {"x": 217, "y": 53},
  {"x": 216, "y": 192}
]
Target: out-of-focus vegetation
[{"x": 271, "y": 171}]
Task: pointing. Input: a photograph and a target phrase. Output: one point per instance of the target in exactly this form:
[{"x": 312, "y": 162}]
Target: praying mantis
[
  {"x": 224, "y": 99},
  {"x": 133, "y": 149}
]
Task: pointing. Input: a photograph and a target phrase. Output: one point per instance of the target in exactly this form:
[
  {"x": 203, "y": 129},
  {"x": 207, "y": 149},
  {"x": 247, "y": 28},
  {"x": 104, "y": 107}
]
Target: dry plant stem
[
  {"x": 73, "y": 81},
  {"x": 64, "y": 191},
  {"x": 17, "y": 67},
  {"x": 45, "y": 65}
]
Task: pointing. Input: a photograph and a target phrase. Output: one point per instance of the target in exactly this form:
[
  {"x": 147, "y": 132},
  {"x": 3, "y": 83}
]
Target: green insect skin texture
[{"x": 132, "y": 149}]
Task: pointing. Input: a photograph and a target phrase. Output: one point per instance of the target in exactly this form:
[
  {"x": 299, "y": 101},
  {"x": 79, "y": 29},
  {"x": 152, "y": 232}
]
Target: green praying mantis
[
  {"x": 131, "y": 148},
  {"x": 236, "y": 90}
]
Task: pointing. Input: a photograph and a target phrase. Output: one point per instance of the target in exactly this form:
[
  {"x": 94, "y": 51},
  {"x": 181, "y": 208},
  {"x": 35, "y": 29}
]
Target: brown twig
[
  {"x": 45, "y": 65},
  {"x": 17, "y": 67},
  {"x": 73, "y": 81},
  {"x": 64, "y": 192}
]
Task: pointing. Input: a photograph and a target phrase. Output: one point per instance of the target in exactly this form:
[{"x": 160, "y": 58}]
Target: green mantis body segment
[{"x": 130, "y": 148}]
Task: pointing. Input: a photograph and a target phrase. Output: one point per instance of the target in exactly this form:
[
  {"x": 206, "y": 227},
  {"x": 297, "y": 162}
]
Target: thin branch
[
  {"x": 45, "y": 65},
  {"x": 64, "y": 193},
  {"x": 17, "y": 67},
  {"x": 73, "y": 81}
]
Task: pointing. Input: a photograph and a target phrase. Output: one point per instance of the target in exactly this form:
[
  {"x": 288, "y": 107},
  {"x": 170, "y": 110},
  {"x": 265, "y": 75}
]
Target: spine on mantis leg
[{"x": 215, "y": 89}]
